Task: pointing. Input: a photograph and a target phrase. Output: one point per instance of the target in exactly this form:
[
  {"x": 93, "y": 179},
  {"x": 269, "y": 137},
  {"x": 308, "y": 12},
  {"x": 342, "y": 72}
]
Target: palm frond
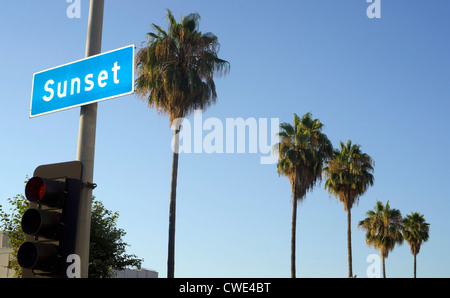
[
  {"x": 302, "y": 151},
  {"x": 383, "y": 227},
  {"x": 175, "y": 70}
]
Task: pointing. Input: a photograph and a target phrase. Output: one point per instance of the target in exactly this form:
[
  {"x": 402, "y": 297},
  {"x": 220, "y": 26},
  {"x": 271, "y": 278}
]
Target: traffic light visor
[
  {"x": 41, "y": 222},
  {"x": 40, "y": 256},
  {"x": 43, "y": 190},
  {"x": 31, "y": 221},
  {"x": 35, "y": 189}
]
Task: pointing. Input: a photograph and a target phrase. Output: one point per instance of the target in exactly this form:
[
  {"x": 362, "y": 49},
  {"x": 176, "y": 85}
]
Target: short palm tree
[
  {"x": 415, "y": 231},
  {"x": 175, "y": 72},
  {"x": 348, "y": 176},
  {"x": 383, "y": 229},
  {"x": 302, "y": 151}
]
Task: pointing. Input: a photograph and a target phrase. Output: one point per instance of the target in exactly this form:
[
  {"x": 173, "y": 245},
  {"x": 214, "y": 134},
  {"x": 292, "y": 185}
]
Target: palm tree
[
  {"x": 383, "y": 229},
  {"x": 175, "y": 72},
  {"x": 415, "y": 231},
  {"x": 302, "y": 151},
  {"x": 348, "y": 175}
]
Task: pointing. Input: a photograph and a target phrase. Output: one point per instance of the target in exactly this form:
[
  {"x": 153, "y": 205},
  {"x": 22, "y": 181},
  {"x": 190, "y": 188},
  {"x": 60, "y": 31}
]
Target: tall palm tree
[
  {"x": 415, "y": 231},
  {"x": 302, "y": 151},
  {"x": 383, "y": 229},
  {"x": 175, "y": 72},
  {"x": 348, "y": 176}
]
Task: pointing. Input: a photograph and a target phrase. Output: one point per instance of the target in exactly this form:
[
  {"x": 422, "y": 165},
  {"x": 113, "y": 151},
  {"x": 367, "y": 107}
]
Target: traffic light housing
[{"x": 50, "y": 223}]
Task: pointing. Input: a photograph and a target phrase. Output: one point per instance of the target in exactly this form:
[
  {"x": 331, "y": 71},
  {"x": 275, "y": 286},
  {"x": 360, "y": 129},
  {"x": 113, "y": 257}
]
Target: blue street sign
[{"x": 93, "y": 79}]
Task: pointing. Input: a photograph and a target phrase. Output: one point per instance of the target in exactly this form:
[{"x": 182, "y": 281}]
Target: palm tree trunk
[
  {"x": 293, "y": 233},
  {"x": 384, "y": 267},
  {"x": 172, "y": 208},
  {"x": 415, "y": 265},
  {"x": 349, "y": 242}
]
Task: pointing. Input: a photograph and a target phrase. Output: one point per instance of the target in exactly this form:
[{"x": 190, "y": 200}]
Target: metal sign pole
[{"x": 86, "y": 141}]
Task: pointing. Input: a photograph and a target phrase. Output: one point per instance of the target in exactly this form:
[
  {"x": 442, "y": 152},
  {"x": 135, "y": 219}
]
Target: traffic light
[{"x": 50, "y": 223}]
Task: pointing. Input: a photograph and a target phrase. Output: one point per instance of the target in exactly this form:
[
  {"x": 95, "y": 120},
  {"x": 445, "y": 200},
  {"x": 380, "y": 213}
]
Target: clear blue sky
[{"x": 383, "y": 83}]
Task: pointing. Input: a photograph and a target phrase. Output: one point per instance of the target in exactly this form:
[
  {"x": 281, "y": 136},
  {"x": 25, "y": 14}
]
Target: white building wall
[
  {"x": 143, "y": 273},
  {"x": 5, "y": 256}
]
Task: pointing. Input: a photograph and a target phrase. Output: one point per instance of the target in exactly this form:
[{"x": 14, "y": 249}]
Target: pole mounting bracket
[{"x": 90, "y": 185}]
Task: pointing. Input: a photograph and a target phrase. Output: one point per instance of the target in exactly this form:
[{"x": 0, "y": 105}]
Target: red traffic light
[
  {"x": 35, "y": 189},
  {"x": 42, "y": 190}
]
